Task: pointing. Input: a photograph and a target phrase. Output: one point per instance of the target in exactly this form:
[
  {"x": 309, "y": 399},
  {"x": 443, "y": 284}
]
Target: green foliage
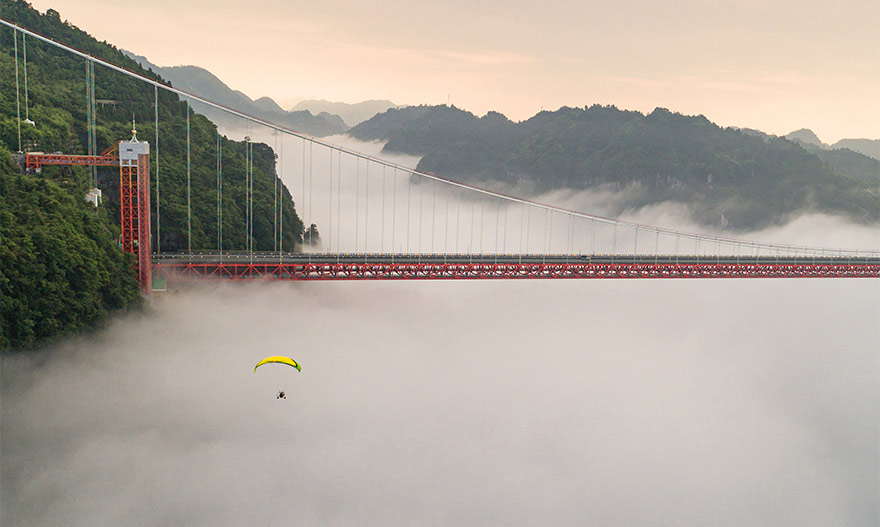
[
  {"x": 57, "y": 104},
  {"x": 62, "y": 270},
  {"x": 728, "y": 178}
]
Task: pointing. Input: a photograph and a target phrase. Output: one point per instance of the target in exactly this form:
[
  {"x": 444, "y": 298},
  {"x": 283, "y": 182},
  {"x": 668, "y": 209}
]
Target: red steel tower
[
  {"x": 134, "y": 204},
  {"x": 134, "y": 194}
]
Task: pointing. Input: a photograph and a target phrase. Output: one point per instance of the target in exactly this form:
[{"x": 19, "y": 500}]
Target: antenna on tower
[{"x": 134, "y": 138}]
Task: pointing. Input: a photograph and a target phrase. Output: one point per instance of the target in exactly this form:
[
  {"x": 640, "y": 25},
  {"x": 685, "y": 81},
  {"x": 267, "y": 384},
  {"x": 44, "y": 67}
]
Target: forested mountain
[
  {"x": 202, "y": 82},
  {"x": 728, "y": 177},
  {"x": 50, "y": 265}
]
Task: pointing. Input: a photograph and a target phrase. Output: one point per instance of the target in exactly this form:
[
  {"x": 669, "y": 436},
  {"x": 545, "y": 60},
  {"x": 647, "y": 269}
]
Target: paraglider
[{"x": 278, "y": 359}]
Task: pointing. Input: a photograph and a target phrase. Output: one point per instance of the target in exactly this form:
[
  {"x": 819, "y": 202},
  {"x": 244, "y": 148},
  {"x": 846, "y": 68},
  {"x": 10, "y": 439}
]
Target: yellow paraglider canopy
[{"x": 279, "y": 360}]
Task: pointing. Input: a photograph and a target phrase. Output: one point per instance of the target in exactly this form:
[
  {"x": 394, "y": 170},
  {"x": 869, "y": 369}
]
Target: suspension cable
[{"x": 208, "y": 102}]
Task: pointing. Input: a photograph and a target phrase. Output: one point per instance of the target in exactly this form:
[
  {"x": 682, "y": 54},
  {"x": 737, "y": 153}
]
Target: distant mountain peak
[{"x": 805, "y": 135}]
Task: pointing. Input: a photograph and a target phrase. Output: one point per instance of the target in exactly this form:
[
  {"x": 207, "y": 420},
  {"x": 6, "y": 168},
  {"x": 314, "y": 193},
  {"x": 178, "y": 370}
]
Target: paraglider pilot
[{"x": 281, "y": 395}]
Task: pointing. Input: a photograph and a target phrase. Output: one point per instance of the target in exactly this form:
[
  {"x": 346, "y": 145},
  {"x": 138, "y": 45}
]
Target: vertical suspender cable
[
  {"x": 393, "y": 207},
  {"x": 247, "y": 194},
  {"x": 482, "y": 206},
  {"x": 408, "y": 199},
  {"x": 367, "y": 210},
  {"x": 281, "y": 200},
  {"x": 521, "y": 230},
  {"x": 275, "y": 201},
  {"x": 94, "y": 148},
  {"x": 457, "y": 219},
  {"x": 420, "y": 218},
  {"x": 188, "y": 185},
  {"x": 570, "y": 233},
  {"x": 636, "y": 243},
  {"x": 219, "y": 194},
  {"x": 382, "y": 237},
  {"x": 17, "y": 96},
  {"x": 88, "y": 112},
  {"x": 504, "y": 241},
  {"x": 330, "y": 209},
  {"x": 158, "y": 209},
  {"x": 311, "y": 210},
  {"x": 251, "y": 197},
  {"x": 433, "y": 217},
  {"x": 548, "y": 230},
  {"x": 446, "y": 223},
  {"x": 614, "y": 240},
  {"x": 357, "y": 201},
  {"x": 497, "y": 228},
  {"x": 338, "y": 200},
  {"x": 303, "y": 195},
  {"x": 27, "y": 117},
  {"x": 593, "y": 237}
]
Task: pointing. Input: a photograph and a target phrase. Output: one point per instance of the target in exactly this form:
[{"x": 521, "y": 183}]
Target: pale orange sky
[{"x": 772, "y": 65}]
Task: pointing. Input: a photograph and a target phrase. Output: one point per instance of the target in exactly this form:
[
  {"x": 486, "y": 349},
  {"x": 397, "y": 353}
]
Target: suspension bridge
[{"x": 384, "y": 220}]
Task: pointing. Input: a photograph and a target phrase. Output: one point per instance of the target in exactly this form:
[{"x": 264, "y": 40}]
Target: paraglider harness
[{"x": 281, "y": 395}]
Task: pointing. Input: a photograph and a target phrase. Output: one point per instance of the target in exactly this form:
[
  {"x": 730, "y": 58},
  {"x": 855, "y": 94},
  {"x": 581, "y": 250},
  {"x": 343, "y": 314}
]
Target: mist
[
  {"x": 359, "y": 205},
  {"x": 568, "y": 402}
]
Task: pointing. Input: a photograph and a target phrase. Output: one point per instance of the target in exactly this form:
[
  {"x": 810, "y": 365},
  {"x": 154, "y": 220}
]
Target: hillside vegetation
[
  {"x": 727, "y": 177},
  {"x": 52, "y": 238}
]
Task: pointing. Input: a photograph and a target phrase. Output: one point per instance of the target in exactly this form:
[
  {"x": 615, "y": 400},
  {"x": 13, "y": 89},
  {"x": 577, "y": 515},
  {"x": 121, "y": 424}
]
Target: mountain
[
  {"x": 352, "y": 114},
  {"x": 205, "y": 84},
  {"x": 728, "y": 177},
  {"x": 807, "y": 137},
  {"x": 867, "y": 147}
]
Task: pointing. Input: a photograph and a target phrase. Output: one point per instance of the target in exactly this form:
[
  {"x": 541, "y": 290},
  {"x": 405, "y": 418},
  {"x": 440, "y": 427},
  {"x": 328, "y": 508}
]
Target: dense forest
[
  {"x": 49, "y": 264},
  {"x": 728, "y": 178}
]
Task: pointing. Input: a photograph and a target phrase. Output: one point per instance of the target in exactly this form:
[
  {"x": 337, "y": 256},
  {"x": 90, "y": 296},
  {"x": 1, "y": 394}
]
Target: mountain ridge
[
  {"x": 728, "y": 177},
  {"x": 201, "y": 82}
]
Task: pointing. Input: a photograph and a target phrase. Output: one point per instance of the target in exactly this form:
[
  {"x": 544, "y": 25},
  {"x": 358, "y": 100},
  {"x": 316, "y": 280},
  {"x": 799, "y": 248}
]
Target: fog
[
  {"x": 359, "y": 205},
  {"x": 569, "y": 402}
]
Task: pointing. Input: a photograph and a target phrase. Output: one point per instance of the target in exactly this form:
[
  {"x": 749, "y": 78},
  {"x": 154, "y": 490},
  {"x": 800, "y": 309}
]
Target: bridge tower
[{"x": 134, "y": 203}]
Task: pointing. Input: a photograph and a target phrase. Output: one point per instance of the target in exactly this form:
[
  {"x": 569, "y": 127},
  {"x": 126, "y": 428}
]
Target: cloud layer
[{"x": 723, "y": 402}]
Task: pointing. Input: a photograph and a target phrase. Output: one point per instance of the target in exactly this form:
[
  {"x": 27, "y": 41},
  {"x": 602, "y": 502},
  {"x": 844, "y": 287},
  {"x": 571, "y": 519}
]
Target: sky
[{"x": 775, "y": 65}]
